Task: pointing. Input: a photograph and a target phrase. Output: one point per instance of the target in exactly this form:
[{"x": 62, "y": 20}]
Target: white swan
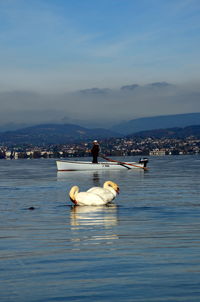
[
  {"x": 108, "y": 192},
  {"x": 86, "y": 198}
]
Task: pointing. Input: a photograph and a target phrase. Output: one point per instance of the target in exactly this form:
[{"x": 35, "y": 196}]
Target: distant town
[{"x": 110, "y": 147}]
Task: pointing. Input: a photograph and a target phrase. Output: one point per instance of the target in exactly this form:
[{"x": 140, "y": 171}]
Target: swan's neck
[{"x": 73, "y": 192}]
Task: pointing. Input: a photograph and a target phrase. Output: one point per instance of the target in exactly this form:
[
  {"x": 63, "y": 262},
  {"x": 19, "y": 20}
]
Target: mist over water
[{"x": 144, "y": 247}]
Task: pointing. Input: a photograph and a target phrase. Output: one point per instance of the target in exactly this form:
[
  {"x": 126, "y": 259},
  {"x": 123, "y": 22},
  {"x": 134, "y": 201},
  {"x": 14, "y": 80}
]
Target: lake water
[{"x": 145, "y": 247}]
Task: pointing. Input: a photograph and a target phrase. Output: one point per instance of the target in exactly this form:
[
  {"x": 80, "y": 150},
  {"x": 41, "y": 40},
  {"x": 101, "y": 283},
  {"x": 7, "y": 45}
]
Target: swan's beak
[{"x": 74, "y": 201}]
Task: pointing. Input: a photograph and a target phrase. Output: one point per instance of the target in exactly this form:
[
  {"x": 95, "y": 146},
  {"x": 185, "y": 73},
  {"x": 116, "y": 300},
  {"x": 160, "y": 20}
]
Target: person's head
[{"x": 95, "y": 142}]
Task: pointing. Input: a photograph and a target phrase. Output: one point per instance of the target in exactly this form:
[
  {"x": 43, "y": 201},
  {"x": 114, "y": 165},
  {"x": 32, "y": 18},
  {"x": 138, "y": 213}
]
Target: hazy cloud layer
[
  {"x": 90, "y": 62},
  {"x": 97, "y": 106}
]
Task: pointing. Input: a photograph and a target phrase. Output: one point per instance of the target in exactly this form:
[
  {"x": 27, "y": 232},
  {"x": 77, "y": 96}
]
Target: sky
[{"x": 97, "y": 63}]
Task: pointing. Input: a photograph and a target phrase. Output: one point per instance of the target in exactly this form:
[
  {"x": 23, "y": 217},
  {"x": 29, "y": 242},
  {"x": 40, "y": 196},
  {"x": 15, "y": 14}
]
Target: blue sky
[{"x": 63, "y": 46}]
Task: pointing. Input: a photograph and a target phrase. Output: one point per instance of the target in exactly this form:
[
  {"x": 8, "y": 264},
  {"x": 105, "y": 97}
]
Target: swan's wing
[
  {"x": 96, "y": 190},
  {"x": 105, "y": 194},
  {"x": 93, "y": 189},
  {"x": 86, "y": 198}
]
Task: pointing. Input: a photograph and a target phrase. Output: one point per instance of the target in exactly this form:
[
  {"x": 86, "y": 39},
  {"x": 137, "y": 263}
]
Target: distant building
[{"x": 157, "y": 152}]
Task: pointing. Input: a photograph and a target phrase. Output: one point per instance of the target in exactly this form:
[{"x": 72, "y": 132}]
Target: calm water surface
[{"x": 145, "y": 247}]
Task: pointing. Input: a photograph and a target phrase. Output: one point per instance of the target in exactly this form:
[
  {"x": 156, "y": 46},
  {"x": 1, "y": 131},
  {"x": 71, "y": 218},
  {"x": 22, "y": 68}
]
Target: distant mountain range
[
  {"x": 53, "y": 134},
  {"x": 131, "y": 126},
  {"x": 177, "y": 132},
  {"x": 177, "y": 126},
  {"x": 157, "y": 122}
]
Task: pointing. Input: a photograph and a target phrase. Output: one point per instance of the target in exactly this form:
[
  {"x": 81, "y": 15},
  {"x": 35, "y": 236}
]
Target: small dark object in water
[{"x": 31, "y": 208}]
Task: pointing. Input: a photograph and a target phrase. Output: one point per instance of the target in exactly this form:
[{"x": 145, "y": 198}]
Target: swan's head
[
  {"x": 72, "y": 193},
  {"x": 112, "y": 184}
]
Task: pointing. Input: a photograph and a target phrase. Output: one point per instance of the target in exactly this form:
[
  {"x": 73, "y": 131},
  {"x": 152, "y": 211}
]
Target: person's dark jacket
[{"x": 95, "y": 150}]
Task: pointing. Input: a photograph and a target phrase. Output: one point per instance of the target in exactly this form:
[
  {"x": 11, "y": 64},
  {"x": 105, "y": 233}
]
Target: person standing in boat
[{"x": 95, "y": 152}]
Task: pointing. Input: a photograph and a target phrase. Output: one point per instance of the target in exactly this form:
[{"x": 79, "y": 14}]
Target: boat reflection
[
  {"x": 83, "y": 175},
  {"x": 90, "y": 215},
  {"x": 95, "y": 176},
  {"x": 96, "y": 179}
]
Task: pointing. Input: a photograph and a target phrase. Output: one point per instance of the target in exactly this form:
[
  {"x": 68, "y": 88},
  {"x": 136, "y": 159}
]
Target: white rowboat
[{"x": 67, "y": 165}]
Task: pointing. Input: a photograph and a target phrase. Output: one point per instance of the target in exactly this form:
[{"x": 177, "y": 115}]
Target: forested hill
[
  {"x": 68, "y": 133},
  {"x": 176, "y": 132},
  {"x": 54, "y": 134},
  {"x": 157, "y": 122}
]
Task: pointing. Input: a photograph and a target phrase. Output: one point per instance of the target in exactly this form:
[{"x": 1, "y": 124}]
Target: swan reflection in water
[
  {"x": 94, "y": 215},
  {"x": 86, "y": 225}
]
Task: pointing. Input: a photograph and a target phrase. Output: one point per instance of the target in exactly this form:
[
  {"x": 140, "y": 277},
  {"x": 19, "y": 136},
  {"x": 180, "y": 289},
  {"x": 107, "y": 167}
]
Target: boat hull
[{"x": 65, "y": 165}]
